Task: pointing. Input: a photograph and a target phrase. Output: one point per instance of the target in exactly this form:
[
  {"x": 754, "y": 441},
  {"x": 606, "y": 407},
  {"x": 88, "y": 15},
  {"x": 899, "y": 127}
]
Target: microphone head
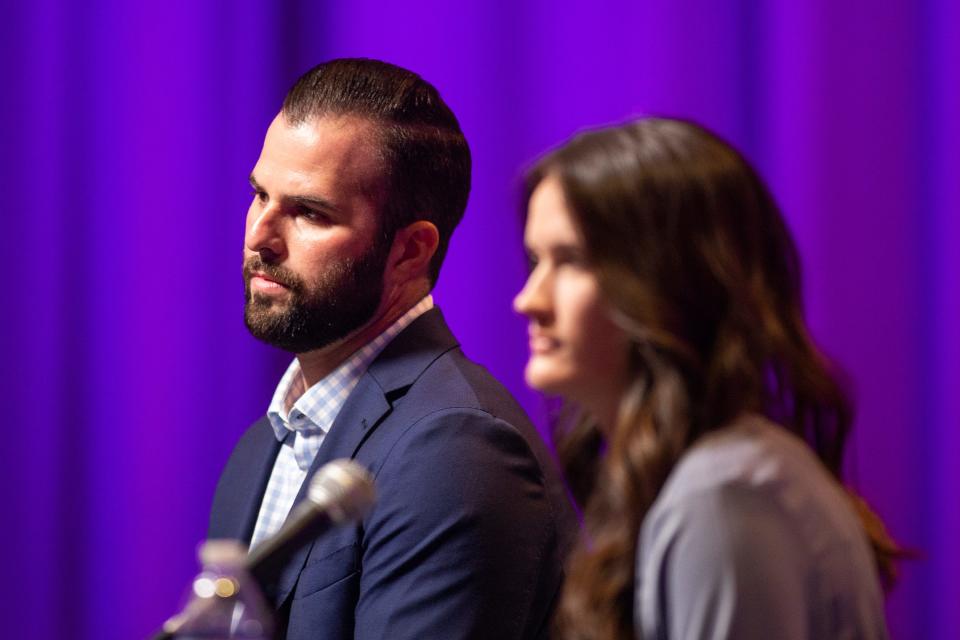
[{"x": 343, "y": 489}]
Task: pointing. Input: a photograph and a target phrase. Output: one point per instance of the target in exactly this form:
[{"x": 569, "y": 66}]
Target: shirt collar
[{"x": 295, "y": 409}]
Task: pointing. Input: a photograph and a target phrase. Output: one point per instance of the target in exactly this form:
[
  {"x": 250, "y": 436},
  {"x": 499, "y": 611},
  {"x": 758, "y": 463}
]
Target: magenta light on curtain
[{"x": 128, "y": 133}]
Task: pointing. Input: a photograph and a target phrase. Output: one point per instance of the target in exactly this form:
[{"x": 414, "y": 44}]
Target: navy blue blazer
[{"x": 471, "y": 523}]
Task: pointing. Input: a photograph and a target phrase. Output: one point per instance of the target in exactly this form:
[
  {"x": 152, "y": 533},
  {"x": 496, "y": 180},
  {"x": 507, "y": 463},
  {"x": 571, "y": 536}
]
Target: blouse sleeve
[{"x": 721, "y": 563}]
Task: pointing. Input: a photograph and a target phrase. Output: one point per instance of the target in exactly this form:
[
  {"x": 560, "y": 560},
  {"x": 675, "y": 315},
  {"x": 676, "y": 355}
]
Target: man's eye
[
  {"x": 260, "y": 195},
  {"x": 313, "y": 215}
]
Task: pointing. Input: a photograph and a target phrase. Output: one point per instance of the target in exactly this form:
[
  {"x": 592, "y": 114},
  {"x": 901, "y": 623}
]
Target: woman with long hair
[{"x": 702, "y": 430}]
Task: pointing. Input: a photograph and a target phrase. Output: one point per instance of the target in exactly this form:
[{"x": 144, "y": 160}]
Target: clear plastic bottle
[{"x": 224, "y": 602}]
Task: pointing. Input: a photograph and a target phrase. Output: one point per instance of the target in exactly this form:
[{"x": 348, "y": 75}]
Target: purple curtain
[{"x": 128, "y": 131}]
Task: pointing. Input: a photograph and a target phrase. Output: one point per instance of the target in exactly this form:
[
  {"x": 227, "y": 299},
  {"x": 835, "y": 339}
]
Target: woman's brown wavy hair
[{"x": 695, "y": 259}]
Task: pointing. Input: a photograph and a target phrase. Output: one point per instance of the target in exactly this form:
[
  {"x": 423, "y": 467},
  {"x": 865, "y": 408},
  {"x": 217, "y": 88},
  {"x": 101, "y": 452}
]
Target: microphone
[{"x": 339, "y": 493}]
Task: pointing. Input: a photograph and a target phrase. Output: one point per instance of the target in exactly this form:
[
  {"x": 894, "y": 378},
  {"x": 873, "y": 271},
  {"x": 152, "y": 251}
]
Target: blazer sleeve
[{"x": 461, "y": 536}]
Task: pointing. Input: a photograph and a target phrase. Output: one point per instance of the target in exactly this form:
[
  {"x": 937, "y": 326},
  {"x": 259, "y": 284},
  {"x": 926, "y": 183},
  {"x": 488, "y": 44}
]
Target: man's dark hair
[{"x": 427, "y": 157}]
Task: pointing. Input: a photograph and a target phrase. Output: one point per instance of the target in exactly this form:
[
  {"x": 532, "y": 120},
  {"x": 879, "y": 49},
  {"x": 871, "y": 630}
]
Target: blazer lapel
[
  {"x": 363, "y": 409},
  {"x": 395, "y": 369}
]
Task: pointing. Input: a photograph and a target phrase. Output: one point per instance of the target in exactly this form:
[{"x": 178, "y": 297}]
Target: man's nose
[{"x": 265, "y": 227}]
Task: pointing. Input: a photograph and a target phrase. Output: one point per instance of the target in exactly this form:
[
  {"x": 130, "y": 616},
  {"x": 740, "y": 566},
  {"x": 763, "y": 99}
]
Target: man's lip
[{"x": 263, "y": 281}]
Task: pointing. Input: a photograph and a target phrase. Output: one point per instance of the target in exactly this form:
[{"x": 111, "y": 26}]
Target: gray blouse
[{"x": 751, "y": 538}]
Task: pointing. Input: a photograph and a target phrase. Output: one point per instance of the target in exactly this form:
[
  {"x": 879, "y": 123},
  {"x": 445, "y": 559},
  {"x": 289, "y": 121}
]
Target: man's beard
[{"x": 318, "y": 313}]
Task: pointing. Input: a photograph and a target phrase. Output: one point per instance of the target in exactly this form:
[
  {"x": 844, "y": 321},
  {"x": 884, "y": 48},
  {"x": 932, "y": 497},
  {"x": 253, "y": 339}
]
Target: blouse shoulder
[{"x": 751, "y": 533}]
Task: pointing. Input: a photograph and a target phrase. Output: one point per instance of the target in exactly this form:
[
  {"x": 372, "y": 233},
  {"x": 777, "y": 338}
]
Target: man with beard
[{"x": 362, "y": 178}]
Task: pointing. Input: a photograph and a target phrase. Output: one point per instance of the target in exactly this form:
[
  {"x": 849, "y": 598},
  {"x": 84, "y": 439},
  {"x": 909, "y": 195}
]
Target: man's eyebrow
[{"x": 315, "y": 202}]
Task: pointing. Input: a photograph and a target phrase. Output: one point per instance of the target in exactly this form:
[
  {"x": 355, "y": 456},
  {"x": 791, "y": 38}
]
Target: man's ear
[{"x": 413, "y": 248}]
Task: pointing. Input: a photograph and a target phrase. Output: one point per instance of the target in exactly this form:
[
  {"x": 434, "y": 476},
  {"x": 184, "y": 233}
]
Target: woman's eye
[{"x": 575, "y": 260}]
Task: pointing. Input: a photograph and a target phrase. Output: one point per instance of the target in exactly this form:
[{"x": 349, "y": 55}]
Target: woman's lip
[{"x": 542, "y": 344}]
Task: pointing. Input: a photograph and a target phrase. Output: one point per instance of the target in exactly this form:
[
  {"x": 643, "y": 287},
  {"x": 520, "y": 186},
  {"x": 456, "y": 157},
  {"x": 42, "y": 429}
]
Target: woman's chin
[{"x": 547, "y": 379}]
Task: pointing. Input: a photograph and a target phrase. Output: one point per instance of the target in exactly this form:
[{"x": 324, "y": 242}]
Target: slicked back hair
[{"x": 425, "y": 152}]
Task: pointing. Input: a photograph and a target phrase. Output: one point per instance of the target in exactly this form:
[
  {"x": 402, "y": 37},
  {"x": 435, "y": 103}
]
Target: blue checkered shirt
[{"x": 301, "y": 419}]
